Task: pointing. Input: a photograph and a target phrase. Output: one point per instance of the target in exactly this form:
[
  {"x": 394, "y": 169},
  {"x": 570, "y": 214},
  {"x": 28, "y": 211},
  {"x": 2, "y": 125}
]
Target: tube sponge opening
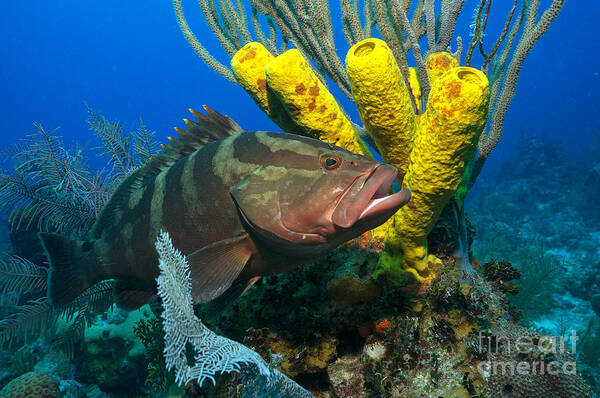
[
  {"x": 364, "y": 48},
  {"x": 468, "y": 75}
]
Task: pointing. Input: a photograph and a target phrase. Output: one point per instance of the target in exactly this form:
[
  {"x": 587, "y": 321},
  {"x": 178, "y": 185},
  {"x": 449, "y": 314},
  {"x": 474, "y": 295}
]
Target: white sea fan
[{"x": 213, "y": 354}]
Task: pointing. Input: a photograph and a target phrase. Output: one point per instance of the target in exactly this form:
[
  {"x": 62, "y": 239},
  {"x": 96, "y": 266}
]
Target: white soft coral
[{"x": 213, "y": 353}]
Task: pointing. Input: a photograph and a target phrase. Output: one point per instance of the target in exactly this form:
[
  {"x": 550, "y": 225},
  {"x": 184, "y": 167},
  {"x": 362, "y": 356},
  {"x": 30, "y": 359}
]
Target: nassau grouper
[{"x": 239, "y": 205}]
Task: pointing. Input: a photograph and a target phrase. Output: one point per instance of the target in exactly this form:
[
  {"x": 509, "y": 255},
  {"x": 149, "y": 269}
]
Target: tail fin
[{"x": 68, "y": 269}]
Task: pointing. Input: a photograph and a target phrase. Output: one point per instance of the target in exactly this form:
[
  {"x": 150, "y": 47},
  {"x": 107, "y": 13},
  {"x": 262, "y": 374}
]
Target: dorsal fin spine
[{"x": 207, "y": 129}]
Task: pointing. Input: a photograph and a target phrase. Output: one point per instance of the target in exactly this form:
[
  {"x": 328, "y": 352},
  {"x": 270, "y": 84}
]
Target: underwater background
[{"x": 534, "y": 205}]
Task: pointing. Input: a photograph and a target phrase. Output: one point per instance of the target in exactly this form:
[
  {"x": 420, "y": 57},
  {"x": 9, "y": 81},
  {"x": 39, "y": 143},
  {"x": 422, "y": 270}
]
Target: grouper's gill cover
[{"x": 239, "y": 205}]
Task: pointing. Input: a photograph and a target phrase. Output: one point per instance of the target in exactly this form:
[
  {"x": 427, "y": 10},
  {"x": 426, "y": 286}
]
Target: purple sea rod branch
[
  {"x": 534, "y": 31},
  {"x": 500, "y": 40},
  {"x": 418, "y": 20},
  {"x": 306, "y": 38},
  {"x": 416, "y": 48},
  {"x": 430, "y": 23},
  {"x": 478, "y": 35},
  {"x": 198, "y": 47},
  {"x": 390, "y": 36},
  {"x": 351, "y": 22},
  {"x": 449, "y": 13}
]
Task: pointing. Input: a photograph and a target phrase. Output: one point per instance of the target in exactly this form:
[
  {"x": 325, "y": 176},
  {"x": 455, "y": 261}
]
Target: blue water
[{"x": 129, "y": 60}]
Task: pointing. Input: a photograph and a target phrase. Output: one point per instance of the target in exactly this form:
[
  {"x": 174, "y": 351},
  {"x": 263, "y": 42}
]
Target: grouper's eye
[{"x": 330, "y": 162}]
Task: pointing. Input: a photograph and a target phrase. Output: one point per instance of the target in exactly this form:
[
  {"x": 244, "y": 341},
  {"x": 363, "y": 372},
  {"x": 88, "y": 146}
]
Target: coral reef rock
[
  {"x": 523, "y": 363},
  {"x": 296, "y": 359},
  {"x": 346, "y": 377},
  {"x": 114, "y": 355}
]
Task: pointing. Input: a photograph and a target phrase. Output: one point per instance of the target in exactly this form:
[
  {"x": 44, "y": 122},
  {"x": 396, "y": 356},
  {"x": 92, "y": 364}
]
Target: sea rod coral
[{"x": 436, "y": 122}]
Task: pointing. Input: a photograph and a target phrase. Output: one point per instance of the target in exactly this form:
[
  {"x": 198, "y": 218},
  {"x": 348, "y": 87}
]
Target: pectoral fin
[
  {"x": 131, "y": 294},
  {"x": 237, "y": 289},
  {"x": 214, "y": 267}
]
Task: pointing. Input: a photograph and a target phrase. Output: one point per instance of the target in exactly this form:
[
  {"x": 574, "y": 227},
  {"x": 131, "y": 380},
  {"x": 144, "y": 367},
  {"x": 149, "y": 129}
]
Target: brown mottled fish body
[
  {"x": 245, "y": 205},
  {"x": 190, "y": 200}
]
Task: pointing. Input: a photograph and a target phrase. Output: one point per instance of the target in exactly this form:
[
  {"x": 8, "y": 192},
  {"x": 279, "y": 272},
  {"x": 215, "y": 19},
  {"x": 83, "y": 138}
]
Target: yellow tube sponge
[
  {"x": 437, "y": 64},
  {"x": 445, "y": 141},
  {"x": 309, "y": 103},
  {"x": 248, "y": 65},
  {"x": 382, "y": 99}
]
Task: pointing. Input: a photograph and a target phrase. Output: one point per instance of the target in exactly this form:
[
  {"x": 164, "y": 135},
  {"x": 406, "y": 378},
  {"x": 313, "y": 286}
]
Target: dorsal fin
[{"x": 206, "y": 129}]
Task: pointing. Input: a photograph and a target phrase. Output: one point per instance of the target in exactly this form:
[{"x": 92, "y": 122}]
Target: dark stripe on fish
[
  {"x": 174, "y": 212},
  {"x": 222, "y": 220},
  {"x": 140, "y": 216},
  {"x": 281, "y": 157}
]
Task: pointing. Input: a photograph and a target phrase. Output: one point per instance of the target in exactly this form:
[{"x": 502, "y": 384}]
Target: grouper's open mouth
[{"x": 369, "y": 199}]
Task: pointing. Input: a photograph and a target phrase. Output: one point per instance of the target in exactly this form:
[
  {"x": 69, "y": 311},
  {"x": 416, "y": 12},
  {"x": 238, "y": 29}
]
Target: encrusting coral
[{"x": 442, "y": 351}]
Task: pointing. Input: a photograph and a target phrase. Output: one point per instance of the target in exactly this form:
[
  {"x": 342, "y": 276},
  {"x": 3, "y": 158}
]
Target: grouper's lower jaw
[
  {"x": 389, "y": 203},
  {"x": 372, "y": 201}
]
